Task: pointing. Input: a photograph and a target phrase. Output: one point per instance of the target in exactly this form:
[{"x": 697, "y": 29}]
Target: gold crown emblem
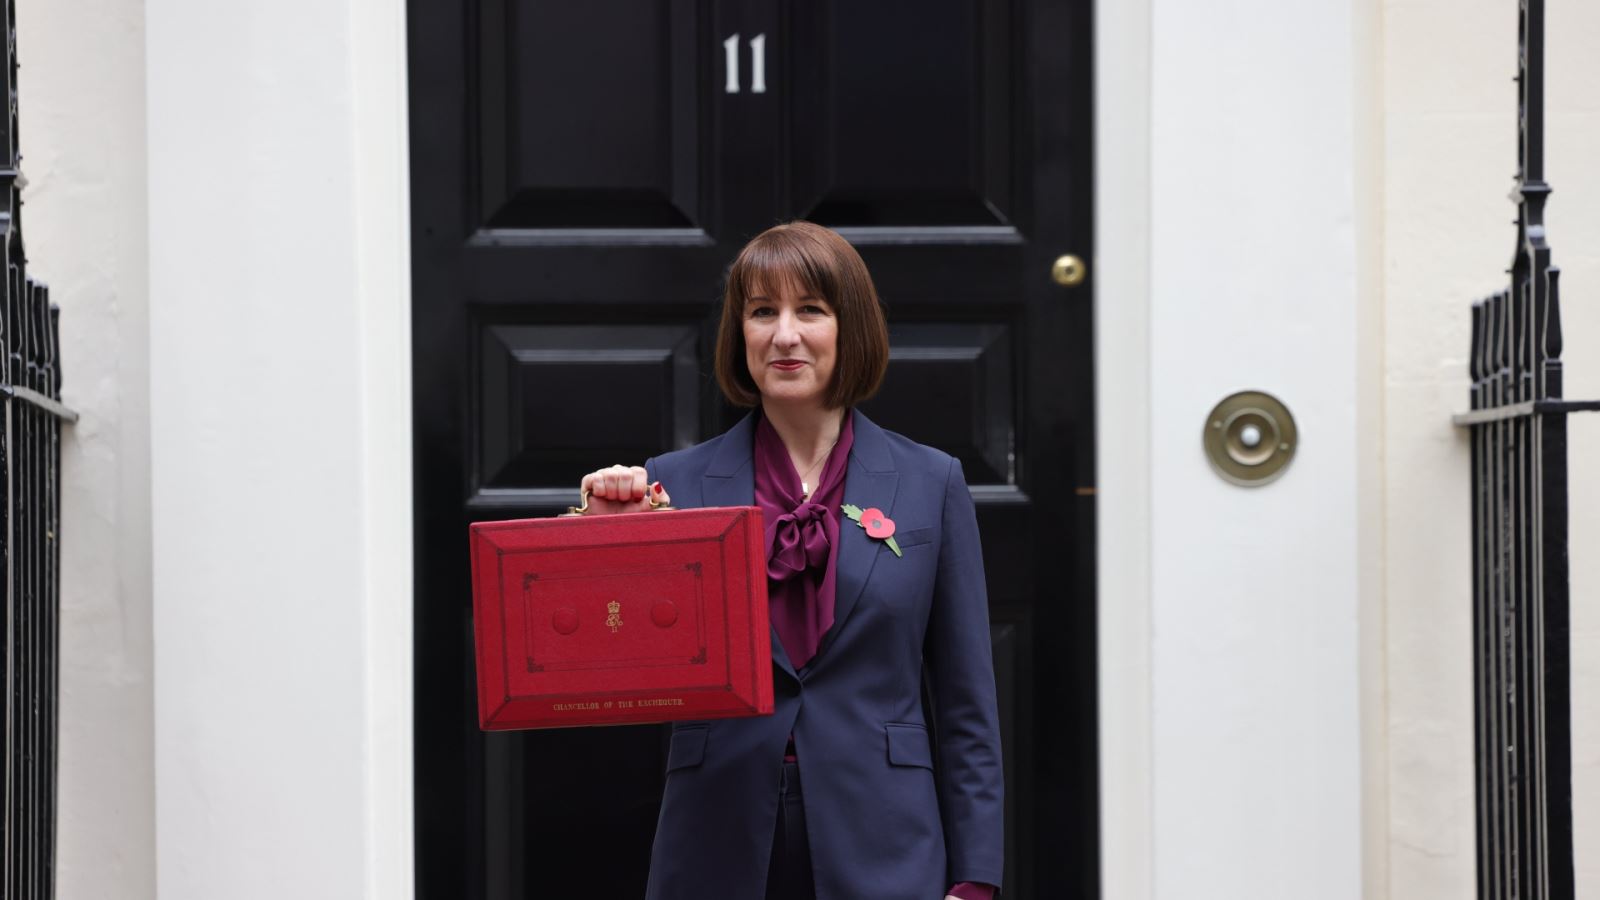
[{"x": 615, "y": 618}]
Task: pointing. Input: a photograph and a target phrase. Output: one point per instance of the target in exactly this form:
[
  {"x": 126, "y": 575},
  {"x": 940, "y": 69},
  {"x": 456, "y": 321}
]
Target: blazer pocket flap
[
  {"x": 688, "y": 748},
  {"x": 908, "y": 746}
]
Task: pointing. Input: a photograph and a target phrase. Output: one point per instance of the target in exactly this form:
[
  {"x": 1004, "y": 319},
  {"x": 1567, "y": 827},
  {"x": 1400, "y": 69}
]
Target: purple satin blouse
[{"x": 801, "y": 535}]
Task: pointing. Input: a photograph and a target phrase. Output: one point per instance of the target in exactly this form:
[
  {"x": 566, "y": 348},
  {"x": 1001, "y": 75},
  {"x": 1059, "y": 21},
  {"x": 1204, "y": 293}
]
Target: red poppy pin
[{"x": 878, "y": 526}]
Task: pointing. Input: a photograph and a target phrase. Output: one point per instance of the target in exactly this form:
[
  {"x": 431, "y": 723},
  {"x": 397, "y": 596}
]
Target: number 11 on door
[{"x": 758, "y": 64}]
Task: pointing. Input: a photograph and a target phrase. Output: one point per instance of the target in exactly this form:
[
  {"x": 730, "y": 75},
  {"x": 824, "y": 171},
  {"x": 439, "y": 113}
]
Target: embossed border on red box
[{"x": 728, "y": 540}]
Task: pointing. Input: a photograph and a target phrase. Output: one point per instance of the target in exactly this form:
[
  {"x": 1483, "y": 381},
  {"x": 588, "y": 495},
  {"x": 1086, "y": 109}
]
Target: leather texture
[{"x": 632, "y": 618}]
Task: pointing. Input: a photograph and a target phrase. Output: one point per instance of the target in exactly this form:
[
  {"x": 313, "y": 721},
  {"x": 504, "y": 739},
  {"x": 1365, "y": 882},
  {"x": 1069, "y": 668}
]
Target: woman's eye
[
  {"x": 760, "y": 312},
  {"x": 813, "y": 309}
]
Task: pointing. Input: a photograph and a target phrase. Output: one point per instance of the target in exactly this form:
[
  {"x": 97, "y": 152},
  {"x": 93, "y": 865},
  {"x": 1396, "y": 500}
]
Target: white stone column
[
  {"x": 1233, "y": 664},
  {"x": 280, "y": 440}
]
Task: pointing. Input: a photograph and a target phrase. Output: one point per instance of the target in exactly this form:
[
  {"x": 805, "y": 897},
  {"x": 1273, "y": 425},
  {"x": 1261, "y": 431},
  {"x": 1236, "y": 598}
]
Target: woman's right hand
[{"x": 621, "y": 489}]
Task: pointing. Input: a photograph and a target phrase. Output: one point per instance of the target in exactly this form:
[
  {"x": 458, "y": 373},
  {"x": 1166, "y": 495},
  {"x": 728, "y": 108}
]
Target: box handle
[{"x": 655, "y": 506}]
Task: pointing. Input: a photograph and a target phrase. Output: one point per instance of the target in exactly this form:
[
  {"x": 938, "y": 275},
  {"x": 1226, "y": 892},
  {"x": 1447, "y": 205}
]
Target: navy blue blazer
[{"x": 889, "y": 814}]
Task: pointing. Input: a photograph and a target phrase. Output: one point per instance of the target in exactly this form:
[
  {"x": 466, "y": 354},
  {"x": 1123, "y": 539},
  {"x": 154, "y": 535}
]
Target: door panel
[
  {"x": 967, "y": 373},
  {"x": 901, "y": 113},
  {"x": 538, "y": 428},
  {"x": 590, "y": 114}
]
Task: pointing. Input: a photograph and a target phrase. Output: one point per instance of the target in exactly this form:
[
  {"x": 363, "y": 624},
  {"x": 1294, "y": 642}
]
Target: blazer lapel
[
  {"x": 730, "y": 480},
  {"x": 870, "y": 481}
]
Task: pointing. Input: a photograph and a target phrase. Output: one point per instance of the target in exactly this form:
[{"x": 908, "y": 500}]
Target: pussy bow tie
[{"x": 798, "y": 542}]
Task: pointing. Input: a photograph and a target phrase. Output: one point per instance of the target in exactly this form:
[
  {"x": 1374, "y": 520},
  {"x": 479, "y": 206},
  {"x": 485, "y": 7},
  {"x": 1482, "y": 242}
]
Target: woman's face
[{"x": 791, "y": 342}]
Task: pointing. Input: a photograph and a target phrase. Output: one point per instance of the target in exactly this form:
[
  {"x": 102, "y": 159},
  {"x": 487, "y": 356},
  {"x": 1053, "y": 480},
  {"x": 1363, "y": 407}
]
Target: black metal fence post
[
  {"x": 30, "y": 530},
  {"x": 1521, "y": 645}
]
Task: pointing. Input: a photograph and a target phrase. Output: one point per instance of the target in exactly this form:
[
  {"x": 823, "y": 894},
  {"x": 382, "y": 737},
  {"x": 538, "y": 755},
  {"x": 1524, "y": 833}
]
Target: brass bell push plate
[{"x": 1250, "y": 438}]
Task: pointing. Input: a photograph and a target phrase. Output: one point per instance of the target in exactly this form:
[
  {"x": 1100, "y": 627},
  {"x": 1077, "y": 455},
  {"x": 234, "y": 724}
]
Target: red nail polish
[{"x": 657, "y": 487}]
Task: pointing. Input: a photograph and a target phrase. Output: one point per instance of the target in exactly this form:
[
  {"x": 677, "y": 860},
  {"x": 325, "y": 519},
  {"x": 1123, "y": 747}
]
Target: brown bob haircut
[{"x": 826, "y": 266}]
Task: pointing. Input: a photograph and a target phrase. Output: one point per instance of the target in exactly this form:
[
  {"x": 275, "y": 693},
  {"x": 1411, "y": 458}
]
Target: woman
[{"x": 890, "y": 808}]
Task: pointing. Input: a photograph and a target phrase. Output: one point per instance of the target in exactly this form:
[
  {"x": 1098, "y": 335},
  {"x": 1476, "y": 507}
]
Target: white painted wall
[
  {"x": 81, "y": 92},
  {"x": 1573, "y": 134},
  {"x": 1450, "y": 154},
  {"x": 280, "y": 388}
]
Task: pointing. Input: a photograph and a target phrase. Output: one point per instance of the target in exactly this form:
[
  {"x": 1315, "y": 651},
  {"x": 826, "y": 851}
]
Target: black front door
[{"x": 582, "y": 174}]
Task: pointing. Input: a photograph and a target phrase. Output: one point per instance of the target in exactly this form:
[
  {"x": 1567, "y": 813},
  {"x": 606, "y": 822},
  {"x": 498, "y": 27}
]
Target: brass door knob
[{"x": 1068, "y": 271}]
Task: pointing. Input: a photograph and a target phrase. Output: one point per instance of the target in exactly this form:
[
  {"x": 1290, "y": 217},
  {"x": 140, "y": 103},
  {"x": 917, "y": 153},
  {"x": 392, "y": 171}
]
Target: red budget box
[{"x": 605, "y": 620}]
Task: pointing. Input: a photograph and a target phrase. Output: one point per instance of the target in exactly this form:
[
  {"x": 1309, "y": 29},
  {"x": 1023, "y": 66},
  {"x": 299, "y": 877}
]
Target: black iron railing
[
  {"x": 1521, "y": 665},
  {"x": 30, "y": 526}
]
